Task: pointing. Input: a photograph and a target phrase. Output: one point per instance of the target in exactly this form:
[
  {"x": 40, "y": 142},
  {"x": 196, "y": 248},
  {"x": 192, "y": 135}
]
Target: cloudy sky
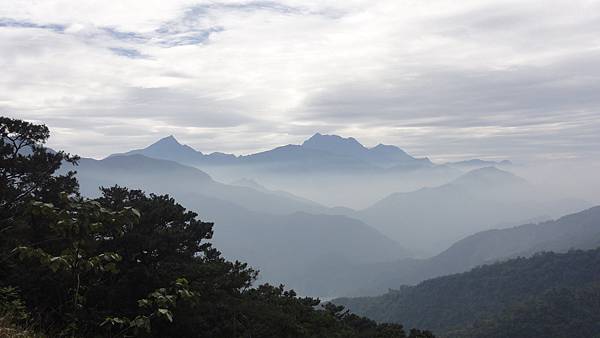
[{"x": 445, "y": 79}]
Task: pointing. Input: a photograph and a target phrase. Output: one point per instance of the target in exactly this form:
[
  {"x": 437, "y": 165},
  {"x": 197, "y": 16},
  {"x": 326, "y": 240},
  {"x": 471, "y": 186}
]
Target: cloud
[
  {"x": 7, "y": 22},
  {"x": 442, "y": 79},
  {"x": 127, "y": 52}
]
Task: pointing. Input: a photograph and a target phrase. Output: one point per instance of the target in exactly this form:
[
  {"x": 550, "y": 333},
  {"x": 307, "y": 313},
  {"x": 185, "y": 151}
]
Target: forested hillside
[
  {"x": 560, "y": 313},
  {"x": 131, "y": 264},
  {"x": 537, "y": 293}
]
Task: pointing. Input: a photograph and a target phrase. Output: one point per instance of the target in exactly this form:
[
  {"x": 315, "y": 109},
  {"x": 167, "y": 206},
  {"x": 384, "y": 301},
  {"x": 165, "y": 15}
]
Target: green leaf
[
  {"x": 165, "y": 313},
  {"x": 143, "y": 303}
]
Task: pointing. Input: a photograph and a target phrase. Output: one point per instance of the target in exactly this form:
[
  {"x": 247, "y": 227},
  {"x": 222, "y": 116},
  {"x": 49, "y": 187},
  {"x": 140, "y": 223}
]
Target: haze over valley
[{"x": 313, "y": 247}]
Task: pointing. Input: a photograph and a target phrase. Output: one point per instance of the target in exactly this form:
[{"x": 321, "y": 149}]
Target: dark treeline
[
  {"x": 547, "y": 295},
  {"x": 560, "y": 313},
  {"x": 131, "y": 264}
]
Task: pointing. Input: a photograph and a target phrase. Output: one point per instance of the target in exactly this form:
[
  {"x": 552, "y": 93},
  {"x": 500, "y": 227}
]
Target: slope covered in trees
[
  {"x": 537, "y": 293},
  {"x": 131, "y": 264},
  {"x": 558, "y": 313}
]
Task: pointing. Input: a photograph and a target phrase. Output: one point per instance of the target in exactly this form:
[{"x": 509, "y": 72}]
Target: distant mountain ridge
[
  {"x": 478, "y": 163},
  {"x": 250, "y": 183},
  {"x": 381, "y": 155},
  {"x": 320, "y": 152},
  {"x": 575, "y": 231},
  {"x": 579, "y": 230},
  {"x": 430, "y": 218},
  {"x": 489, "y": 177},
  {"x": 278, "y": 233},
  {"x": 139, "y": 171},
  {"x": 168, "y": 148},
  {"x": 329, "y": 169}
]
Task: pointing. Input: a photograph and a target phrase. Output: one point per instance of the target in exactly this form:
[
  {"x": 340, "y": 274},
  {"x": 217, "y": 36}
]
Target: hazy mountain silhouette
[
  {"x": 250, "y": 183},
  {"x": 319, "y": 152},
  {"x": 478, "y": 163},
  {"x": 433, "y": 218},
  {"x": 171, "y": 177},
  {"x": 381, "y": 155},
  {"x": 276, "y": 232},
  {"x": 580, "y": 230},
  {"x": 489, "y": 177},
  {"x": 329, "y": 169},
  {"x": 336, "y": 145},
  {"x": 296, "y": 158},
  {"x": 169, "y": 148},
  {"x": 576, "y": 231}
]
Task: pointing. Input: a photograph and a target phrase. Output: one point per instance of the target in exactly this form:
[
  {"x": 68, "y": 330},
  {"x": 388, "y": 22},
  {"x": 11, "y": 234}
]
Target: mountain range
[
  {"x": 315, "y": 249},
  {"x": 319, "y": 152},
  {"x": 328, "y": 169},
  {"x": 276, "y": 232},
  {"x": 332, "y": 251},
  {"x": 434, "y": 217},
  {"x": 155, "y": 175},
  {"x": 580, "y": 230}
]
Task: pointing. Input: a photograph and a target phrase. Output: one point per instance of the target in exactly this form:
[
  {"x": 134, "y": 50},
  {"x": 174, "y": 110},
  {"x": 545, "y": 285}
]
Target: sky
[{"x": 445, "y": 79}]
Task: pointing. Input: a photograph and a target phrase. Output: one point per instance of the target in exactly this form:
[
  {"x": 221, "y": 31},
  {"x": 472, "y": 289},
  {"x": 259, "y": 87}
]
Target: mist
[{"x": 345, "y": 214}]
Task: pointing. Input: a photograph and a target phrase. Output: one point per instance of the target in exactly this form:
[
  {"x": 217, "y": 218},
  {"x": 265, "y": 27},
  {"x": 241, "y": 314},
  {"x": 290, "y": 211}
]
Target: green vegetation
[
  {"x": 131, "y": 264},
  {"x": 558, "y": 313},
  {"x": 547, "y": 295}
]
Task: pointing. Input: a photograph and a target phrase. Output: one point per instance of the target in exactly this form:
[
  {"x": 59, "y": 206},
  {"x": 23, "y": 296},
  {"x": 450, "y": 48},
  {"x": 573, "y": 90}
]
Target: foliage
[
  {"x": 132, "y": 264},
  {"x": 559, "y": 313},
  {"x": 13, "y": 314},
  {"x": 27, "y": 168},
  {"x": 11, "y": 304},
  {"x": 8, "y": 329},
  {"x": 28, "y": 172},
  {"x": 73, "y": 252},
  {"x": 493, "y": 292},
  {"x": 159, "y": 305}
]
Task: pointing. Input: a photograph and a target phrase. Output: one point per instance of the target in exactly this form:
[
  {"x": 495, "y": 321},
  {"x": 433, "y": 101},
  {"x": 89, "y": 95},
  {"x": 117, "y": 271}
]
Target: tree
[
  {"x": 27, "y": 168},
  {"x": 28, "y": 172},
  {"x": 74, "y": 258},
  {"x": 168, "y": 243}
]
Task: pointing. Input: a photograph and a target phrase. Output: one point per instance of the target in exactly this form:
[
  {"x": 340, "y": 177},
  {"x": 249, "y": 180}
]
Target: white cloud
[{"x": 519, "y": 78}]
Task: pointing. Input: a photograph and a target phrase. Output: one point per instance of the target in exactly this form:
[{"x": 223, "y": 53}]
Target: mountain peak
[
  {"x": 168, "y": 148},
  {"x": 386, "y": 148},
  {"x": 168, "y": 140},
  {"x": 381, "y": 155},
  {"x": 334, "y": 144},
  {"x": 318, "y": 137},
  {"x": 490, "y": 175}
]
